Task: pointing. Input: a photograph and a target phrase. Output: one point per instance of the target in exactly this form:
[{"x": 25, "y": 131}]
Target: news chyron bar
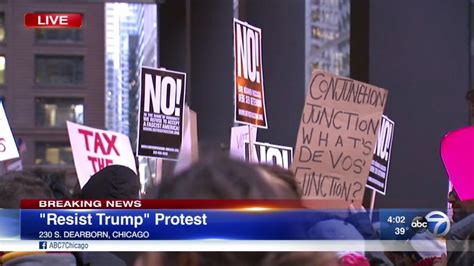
[{"x": 208, "y": 225}]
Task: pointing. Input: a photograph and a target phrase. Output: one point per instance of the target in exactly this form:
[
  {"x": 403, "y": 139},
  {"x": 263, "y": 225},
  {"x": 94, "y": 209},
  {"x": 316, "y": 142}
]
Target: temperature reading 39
[{"x": 400, "y": 231}]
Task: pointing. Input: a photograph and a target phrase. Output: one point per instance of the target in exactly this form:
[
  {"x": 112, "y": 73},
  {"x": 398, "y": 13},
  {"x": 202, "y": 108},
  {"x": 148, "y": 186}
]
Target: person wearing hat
[
  {"x": 461, "y": 230},
  {"x": 15, "y": 186},
  {"x": 457, "y": 152},
  {"x": 114, "y": 182}
]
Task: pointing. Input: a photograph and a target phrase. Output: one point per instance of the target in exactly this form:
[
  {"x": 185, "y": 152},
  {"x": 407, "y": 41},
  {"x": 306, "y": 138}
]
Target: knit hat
[{"x": 112, "y": 182}]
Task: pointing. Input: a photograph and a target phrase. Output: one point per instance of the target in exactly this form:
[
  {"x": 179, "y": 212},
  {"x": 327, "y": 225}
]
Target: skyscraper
[
  {"x": 131, "y": 42},
  {"x": 147, "y": 40},
  {"x": 328, "y": 36},
  {"x": 146, "y": 55},
  {"x": 113, "y": 73},
  {"x": 121, "y": 21}
]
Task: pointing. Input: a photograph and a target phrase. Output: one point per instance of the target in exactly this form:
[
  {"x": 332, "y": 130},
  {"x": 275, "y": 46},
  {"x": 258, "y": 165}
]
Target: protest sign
[
  {"x": 17, "y": 163},
  {"x": 249, "y": 98},
  {"x": 93, "y": 149},
  {"x": 457, "y": 152},
  {"x": 265, "y": 153},
  {"x": 449, "y": 209},
  {"x": 8, "y": 149},
  {"x": 189, "y": 148},
  {"x": 336, "y": 139},
  {"x": 238, "y": 136},
  {"x": 378, "y": 172},
  {"x": 160, "y": 125}
]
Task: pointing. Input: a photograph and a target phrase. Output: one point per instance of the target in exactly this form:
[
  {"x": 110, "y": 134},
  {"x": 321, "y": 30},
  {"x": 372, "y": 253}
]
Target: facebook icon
[{"x": 43, "y": 245}]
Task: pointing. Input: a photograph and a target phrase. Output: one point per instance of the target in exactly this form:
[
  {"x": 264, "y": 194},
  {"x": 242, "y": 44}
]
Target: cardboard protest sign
[
  {"x": 189, "y": 148},
  {"x": 8, "y": 149},
  {"x": 378, "y": 172},
  {"x": 336, "y": 139},
  {"x": 457, "y": 152},
  {"x": 160, "y": 125},
  {"x": 249, "y": 98},
  {"x": 265, "y": 153},
  {"x": 93, "y": 149},
  {"x": 238, "y": 137}
]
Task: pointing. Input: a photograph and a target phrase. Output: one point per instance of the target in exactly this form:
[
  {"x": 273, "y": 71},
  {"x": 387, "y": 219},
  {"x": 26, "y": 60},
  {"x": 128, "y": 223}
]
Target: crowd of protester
[{"x": 219, "y": 177}]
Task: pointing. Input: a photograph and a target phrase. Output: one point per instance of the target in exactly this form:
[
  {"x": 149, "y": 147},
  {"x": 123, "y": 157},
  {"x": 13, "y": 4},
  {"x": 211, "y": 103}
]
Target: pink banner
[{"x": 457, "y": 152}]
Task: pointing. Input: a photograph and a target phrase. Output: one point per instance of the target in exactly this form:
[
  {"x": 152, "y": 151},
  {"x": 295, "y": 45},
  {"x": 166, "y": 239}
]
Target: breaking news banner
[
  {"x": 160, "y": 126},
  {"x": 93, "y": 149},
  {"x": 8, "y": 148},
  {"x": 85, "y": 224},
  {"x": 336, "y": 139},
  {"x": 249, "y": 97},
  {"x": 378, "y": 173},
  {"x": 265, "y": 153}
]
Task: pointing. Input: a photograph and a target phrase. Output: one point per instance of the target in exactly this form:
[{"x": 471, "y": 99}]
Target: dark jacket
[
  {"x": 457, "y": 239},
  {"x": 112, "y": 182}
]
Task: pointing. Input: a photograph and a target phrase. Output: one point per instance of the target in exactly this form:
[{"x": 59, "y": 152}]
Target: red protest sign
[
  {"x": 248, "y": 67},
  {"x": 93, "y": 149}
]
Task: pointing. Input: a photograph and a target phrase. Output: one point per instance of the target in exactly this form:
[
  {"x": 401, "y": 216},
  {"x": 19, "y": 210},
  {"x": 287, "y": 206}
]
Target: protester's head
[
  {"x": 353, "y": 259},
  {"x": 219, "y": 177},
  {"x": 403, "y": 258},
  {"x": 15, "y": 186},
  {"x": 112, "y": 182},
  {"x": 461, "y": 209},
  {"x": 285, "y": 175},
  {"x": 55, "y": 180}
]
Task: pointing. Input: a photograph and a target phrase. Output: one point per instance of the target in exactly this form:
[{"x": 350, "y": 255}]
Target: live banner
[
  {"x": 93, "y": 149},
  {"x": 336, "y": 139},
  {"x": 249, "y": 98},
  {"x": 160, "y": 126}
]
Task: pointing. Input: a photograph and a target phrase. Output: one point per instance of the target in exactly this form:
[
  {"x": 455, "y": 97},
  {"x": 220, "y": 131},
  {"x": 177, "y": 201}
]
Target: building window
[
  {"x": 329, "y": 36},
  {"x": 59, "y": 70},
  {"x": 48, "y": 153},
  {"x": 2, "y": 26},
  {"x": 2, "y": 69},
  {"x": 59, "y": 35},
  {"x": 54, "y": 112}
]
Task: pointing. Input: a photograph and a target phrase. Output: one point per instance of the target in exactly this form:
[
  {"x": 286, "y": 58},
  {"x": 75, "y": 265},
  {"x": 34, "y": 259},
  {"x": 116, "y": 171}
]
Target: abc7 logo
[{"x": 436, "y": 222}]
